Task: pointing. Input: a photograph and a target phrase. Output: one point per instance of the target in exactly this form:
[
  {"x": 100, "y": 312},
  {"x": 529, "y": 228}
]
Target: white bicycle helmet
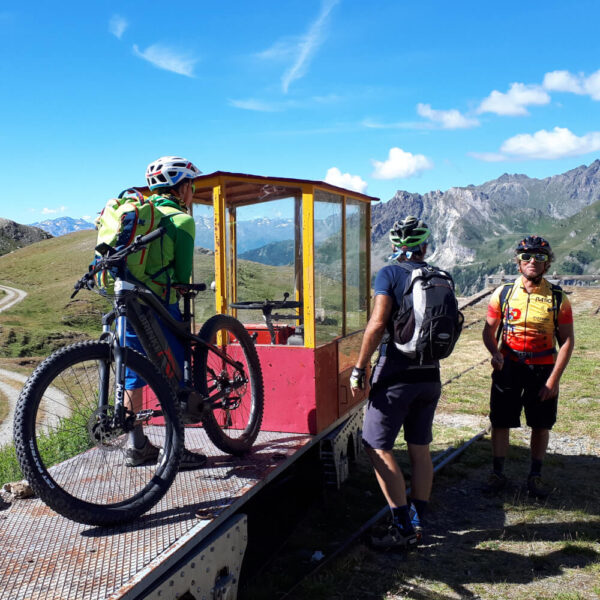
[{"x": 168, "y": 171}]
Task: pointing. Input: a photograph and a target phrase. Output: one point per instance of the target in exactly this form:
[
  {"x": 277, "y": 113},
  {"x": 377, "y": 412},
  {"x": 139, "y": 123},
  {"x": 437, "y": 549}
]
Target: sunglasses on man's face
[{"x": 525, "y": 256}]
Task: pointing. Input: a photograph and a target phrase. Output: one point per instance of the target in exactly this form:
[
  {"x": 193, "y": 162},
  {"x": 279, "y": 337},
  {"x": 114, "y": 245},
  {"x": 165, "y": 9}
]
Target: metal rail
[{"x": 439, "y": 461}]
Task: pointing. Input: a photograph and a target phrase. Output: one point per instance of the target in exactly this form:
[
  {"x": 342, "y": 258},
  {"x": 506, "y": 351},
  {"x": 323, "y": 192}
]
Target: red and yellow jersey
[{"x": 530, "y": 320}]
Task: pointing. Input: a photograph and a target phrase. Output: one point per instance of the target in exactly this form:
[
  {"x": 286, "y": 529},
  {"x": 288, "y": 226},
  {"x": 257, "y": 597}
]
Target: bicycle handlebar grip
[{"x": 154, "y": 235}]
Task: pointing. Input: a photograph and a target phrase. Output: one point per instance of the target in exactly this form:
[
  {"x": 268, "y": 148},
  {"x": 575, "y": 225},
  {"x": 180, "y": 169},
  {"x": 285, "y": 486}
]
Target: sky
[{"x": 376, "y": 97}]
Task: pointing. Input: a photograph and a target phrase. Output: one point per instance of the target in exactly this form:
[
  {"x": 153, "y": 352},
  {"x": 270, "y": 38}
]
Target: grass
[
  {"x": 9, "y": 466},
  {"x": 68, "y": 440},
  {"x": 48, "y": 317}
]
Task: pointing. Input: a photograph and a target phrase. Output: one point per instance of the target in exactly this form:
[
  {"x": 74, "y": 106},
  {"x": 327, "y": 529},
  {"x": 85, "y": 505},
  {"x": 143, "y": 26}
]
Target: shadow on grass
[{"x": 476, "y": 542}]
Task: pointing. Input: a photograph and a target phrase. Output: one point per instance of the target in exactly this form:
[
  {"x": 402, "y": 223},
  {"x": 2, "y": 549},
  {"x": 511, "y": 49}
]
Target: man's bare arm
[
  {"x": 566, "y": 339},
  {"x": 489, "y": 340}
]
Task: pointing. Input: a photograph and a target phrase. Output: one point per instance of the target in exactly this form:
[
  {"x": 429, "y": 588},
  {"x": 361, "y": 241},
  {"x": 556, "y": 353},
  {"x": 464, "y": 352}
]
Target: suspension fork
[
  {"x": 118, "y": 354},
  {"x": 104, "y": 366}
]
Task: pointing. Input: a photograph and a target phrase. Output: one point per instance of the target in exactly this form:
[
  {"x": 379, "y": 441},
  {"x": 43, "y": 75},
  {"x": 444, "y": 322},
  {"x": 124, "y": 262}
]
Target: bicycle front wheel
[
  {"x": 72, "y": 447},
  {"x": 234, "y": 410}
]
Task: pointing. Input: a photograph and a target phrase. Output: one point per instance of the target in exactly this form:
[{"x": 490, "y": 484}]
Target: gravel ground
[{"x": 558, "y": 444}]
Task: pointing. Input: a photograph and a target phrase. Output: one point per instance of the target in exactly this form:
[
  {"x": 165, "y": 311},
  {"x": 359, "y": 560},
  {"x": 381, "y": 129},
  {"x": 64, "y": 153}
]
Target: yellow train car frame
[{"x": 306, "y": 384}]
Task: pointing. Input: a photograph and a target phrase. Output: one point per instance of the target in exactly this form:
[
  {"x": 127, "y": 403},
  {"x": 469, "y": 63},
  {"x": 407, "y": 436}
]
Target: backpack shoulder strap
[
  {"x": 505, "y": 293},
  {"x": 557, "y": 296}
]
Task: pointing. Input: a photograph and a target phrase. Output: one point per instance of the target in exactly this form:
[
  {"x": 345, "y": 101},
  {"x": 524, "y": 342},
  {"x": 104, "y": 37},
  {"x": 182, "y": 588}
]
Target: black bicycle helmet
[
  {"x": 409, "y": 233},
  {"x": 535, "y": 243}
]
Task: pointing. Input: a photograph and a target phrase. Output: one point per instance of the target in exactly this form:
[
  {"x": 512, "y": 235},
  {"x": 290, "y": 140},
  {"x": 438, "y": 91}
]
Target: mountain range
[
  {"x": 474, "y": 228},
  {"x": 63, "y": 225}
]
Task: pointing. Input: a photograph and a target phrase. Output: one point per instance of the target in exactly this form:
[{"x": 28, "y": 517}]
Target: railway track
[{"x": 439, "y": 462}]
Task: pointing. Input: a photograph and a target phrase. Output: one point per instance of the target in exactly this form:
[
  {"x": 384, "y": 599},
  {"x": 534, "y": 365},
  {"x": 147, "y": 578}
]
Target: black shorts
[
  {"x": 517, "y": 386},
  {"x": 411, "y": 405}
]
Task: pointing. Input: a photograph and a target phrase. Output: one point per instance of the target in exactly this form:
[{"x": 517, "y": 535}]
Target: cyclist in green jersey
[{"x": 171, "y": 260}]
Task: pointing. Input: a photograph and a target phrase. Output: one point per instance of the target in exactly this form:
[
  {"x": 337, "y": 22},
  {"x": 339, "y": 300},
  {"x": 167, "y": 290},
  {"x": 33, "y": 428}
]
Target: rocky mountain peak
[{"x": 14, "y": 235}]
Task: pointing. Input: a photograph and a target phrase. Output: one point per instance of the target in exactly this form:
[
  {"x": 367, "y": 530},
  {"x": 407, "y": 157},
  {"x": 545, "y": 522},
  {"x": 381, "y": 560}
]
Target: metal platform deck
[{"x": 45, "y": 556}]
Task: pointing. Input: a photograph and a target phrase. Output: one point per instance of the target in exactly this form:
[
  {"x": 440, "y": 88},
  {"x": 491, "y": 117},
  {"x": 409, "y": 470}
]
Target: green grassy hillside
[{"x": 48, "y": 318}]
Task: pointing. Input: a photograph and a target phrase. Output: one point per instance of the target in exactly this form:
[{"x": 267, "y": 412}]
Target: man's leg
[
  {"x": 134, "y": 402},
  {"x": 391, "y": 481},
  {"x": 541, "y": 416},
  {"x": 421, "y": 471},
  {"x": 139, "y": 449},
  {"x": 500, "y": 441},
  {"x": 539, "y": 443},
  {"x": 505, "y": 412},
  {"x": 389, "y": 476}
]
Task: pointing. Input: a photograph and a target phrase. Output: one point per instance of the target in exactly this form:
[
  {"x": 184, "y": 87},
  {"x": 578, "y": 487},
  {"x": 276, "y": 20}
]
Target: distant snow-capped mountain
[
  {"x": 63, "y": 225},
  {"x": 250, "y": 234}
]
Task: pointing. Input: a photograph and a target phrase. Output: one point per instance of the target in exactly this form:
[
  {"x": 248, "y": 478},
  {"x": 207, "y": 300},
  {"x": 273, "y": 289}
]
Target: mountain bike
[{"x": 73, "y": 415}]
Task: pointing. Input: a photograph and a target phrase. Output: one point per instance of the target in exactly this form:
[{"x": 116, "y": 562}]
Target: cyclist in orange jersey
[{"x": 527, "y": 367}]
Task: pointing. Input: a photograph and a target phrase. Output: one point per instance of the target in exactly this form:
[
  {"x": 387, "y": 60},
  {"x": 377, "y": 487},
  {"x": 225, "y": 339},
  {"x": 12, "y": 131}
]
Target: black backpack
[{"x": 427, "y": 324}]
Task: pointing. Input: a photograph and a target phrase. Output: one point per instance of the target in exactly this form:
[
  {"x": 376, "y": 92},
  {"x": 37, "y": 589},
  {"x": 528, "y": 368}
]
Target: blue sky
[{"x": 375, "y": 96}]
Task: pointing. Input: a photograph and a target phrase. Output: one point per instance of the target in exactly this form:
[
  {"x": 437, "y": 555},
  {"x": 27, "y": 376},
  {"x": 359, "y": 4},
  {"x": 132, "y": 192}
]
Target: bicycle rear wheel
[
  {"x": 70, "y": 448},
  {"x": 234, "y": 409}
]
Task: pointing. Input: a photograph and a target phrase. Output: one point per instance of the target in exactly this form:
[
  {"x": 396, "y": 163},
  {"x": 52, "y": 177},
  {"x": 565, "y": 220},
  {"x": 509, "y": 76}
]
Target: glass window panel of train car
[
  {"x": 357, "y": 289},
  {"x": 204, "y": 262},
  {"x": 328, "y": 266},
  {"x": 268, "y": 239}
]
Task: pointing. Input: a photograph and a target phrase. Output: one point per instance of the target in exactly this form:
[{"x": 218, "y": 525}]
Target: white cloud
[
  {"x": 53, "y": 211},
  {"x": 447, "y": 119},
  {"x": 301, "y": 49},
  {"x": 280, "y": 50},
  {"x": 515, "y": 101},
  {"x": 401, "y": 164},
  {"x": 544, "y": 145},
  {"x": 269, "y": 106},
  {"x": 168, "y": 59},
  {"x": 345, "y": 180},
  {"x": 256, "y": 105},
  {"x": 558, "y": 143},
  {"x": 564, "y": 81},
  {"x": 117, "y": 26}
]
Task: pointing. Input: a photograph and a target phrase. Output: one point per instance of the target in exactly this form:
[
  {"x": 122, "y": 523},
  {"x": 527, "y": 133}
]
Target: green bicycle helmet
[{"x": 410, "y": 232}]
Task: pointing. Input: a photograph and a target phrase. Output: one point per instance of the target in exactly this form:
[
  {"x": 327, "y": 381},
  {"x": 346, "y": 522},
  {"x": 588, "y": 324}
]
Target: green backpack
[{"x": 120, "y": 222}]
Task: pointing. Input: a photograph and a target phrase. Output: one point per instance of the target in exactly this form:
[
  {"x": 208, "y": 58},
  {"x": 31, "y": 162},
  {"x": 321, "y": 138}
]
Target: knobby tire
[
  {"x": 69, "y": 465},
  {"x": 232, "y": 428}
]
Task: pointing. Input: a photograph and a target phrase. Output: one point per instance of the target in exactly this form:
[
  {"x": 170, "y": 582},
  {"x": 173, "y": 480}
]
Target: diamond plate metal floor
[{"x": 45, "y": 556}]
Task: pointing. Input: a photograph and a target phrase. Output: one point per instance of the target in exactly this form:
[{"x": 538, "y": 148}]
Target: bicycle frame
[{"x": 131, "y": 304}]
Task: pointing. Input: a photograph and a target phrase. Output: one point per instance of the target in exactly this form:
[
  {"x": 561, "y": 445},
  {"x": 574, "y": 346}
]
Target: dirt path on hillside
[
  {"x": 11, "y": 384},
  {"x": 13, "y": 296},
  {"x": 11, "y": 392}
]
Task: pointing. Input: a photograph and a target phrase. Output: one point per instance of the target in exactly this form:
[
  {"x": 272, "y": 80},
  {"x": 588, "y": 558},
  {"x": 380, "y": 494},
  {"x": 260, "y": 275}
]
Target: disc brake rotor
[{"x": 103, "y": 431}]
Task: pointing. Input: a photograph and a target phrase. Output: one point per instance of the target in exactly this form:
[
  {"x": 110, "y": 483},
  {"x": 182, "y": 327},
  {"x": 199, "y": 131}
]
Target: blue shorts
[
  {"x": 391, "y": 407},
  {"x": 132, "y": 379}
]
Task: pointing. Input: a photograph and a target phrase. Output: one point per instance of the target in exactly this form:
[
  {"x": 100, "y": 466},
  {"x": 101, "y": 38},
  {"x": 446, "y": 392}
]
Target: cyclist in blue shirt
[{"x": 404, "y": 393}]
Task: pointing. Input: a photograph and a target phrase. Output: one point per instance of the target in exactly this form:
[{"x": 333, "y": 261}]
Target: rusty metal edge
[{"x": 160, "y": 567}]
